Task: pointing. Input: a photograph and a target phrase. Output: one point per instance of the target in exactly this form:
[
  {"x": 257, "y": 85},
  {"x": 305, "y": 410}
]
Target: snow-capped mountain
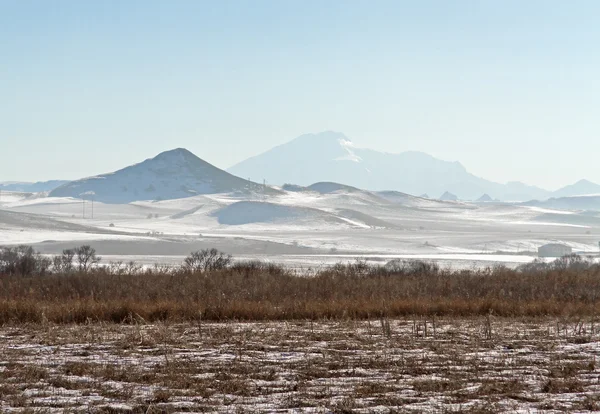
[
  {"x": 331, "y": 156},
  {"x": 172, "y": 174}
]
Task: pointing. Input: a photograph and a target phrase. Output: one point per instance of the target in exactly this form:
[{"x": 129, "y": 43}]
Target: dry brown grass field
[
  {"x": 253, "y": 337},
  {"x": 255, "y": 291}
]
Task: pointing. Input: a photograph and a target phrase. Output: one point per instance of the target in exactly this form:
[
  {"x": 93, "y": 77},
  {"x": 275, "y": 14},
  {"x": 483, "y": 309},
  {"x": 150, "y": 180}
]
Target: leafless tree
[
  {"x": 206, "y": 260},
  {"x": 23, "y": 261},
  {"x": 64, "y": 262},
  {"x": 86, "y": 257}
]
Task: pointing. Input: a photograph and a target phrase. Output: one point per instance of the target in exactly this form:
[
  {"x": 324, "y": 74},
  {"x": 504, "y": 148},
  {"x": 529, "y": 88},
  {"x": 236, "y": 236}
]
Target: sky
[{"x": 511, "y": 89}]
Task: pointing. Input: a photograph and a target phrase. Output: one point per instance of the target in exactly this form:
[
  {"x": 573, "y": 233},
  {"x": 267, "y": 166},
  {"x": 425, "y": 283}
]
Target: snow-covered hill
[
  {"x": 332, "y": 222},
  {"x": 170, "y": 175}
]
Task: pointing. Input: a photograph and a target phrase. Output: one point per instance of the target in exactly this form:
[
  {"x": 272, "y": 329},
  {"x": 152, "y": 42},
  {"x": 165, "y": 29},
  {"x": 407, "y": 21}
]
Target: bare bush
[
  {"x": 572, "y": 262},
  {"x": 411, "y": 267},
  {"x": 206, "y": 260},
  {"x": 64, "y": 262}
]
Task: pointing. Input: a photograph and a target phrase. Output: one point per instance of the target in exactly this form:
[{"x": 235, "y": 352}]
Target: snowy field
[
  {"x": 300, "y": 229},
  {"x": 478, "y": 365}
]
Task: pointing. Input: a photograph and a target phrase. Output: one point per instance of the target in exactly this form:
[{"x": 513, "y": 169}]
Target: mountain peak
[
  {"x": 320, "y": 138},
  {"x": 176, "y": 173},
  {"x": 329, "y": 134},
  {"x": 176, "y": 152}
]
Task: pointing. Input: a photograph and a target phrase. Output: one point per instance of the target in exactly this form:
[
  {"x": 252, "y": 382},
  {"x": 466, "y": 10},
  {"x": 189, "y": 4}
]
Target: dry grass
[
  {"x": 530, "y": 365},
  {"x": 266, "y": 292},
  {"x": 259, "y": 338},
  {"x": 260, "y": 292}
]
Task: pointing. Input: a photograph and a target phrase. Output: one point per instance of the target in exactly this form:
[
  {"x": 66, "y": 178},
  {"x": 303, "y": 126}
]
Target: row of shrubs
[
  {"x": 210, "y": 285},
  {"x": 25, "y": 261}
]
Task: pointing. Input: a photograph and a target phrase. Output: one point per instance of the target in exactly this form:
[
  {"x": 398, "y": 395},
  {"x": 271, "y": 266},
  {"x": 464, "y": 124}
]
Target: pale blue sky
[{"x": 509, "y": 88}]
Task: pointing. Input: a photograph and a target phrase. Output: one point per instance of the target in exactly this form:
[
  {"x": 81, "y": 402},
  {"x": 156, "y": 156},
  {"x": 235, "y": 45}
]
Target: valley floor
[
  {"x": 477, "y": 365},
  {"x": 305, "y": 229}
]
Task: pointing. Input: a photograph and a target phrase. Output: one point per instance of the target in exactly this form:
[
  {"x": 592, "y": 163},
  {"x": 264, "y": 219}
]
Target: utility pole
[{"x": 83, "y": 196}]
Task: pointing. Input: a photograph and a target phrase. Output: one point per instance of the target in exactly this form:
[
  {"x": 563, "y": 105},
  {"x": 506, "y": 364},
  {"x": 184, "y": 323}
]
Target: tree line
[{"x": 26, "y": 261}]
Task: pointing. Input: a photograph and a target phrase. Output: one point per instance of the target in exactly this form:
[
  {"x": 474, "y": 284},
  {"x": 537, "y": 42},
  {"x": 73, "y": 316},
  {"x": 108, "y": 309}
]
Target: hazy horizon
[{"x": 510, "y": 90}]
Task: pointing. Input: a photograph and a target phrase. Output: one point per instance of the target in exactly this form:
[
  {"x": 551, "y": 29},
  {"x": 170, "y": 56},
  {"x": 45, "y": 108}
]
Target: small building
[{"x": 554, "y": 250}]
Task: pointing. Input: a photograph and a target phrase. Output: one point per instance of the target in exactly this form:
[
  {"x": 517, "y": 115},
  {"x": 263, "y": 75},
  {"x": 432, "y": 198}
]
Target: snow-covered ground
[
  {"x": 299, "y": 227},
  {"x": 416, "y": 365}
]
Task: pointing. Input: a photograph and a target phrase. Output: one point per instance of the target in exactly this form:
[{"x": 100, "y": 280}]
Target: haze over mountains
[
  {"x": 328, "y": 158},
  {"x": 331, "y": 156}
]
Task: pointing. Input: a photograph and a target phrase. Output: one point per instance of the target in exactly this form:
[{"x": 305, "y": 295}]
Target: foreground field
[{"x": 477, "y": 365}]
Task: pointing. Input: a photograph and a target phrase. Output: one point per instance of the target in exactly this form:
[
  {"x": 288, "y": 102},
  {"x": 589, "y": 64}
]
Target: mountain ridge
[
  {"x": 331, "y": 156},
  {"x": 581, "y": 187},
  {"x": 32, "y": 187}
]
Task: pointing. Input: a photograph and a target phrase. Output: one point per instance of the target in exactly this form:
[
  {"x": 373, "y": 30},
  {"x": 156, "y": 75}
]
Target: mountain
[
  {"x": 36, "y": 187},
  {"x": 172, "y": 174},
  {"x": 581, "y": 187},
  {"x": 484, "y": 198},
  {"x": 588, "y": 202},
  {"x": 331, "y": 156},
  {"x": 447, "y": 196}
]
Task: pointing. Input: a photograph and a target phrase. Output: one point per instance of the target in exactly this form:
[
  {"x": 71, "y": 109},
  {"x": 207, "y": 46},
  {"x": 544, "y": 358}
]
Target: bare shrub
[
  {"x": 412, "y": 267},
  {"x": 64, "y": 262},
  {"x": 572, "y": 262},
  {"x": 206, "y": 260}
]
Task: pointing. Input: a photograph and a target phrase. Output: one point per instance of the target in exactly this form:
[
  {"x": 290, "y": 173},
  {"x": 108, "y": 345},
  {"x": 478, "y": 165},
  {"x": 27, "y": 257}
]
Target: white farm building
[{"x": 554, "y": 250}]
